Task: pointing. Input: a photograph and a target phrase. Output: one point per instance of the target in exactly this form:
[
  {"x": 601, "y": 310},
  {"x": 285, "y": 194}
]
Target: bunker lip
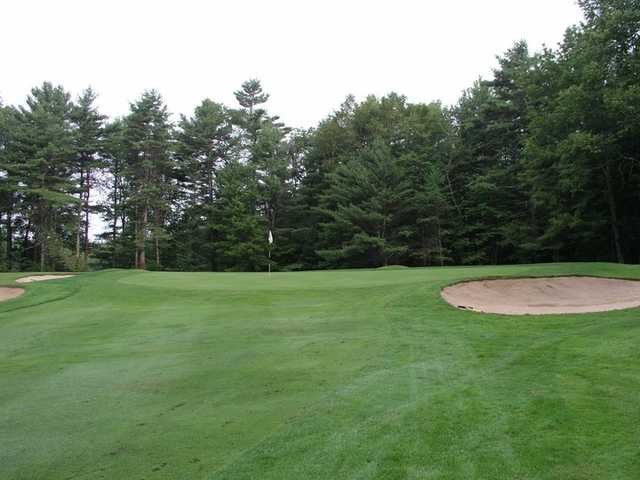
[
  {"x": 544, "y": 295},
  {"x": 7, "y": 293},
  {"x": 40, "y": 278}
]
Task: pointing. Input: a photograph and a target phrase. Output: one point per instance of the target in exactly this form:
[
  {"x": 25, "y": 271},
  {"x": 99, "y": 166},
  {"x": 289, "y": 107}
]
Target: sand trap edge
[
  {"x": 9, "y": 293},
  {"x": 525, "y": 277},
  {"x": 43, "y": 278}
]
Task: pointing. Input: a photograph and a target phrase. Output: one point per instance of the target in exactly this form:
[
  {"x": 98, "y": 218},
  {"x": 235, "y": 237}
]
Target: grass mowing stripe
[{"x": 354, "y": 374}]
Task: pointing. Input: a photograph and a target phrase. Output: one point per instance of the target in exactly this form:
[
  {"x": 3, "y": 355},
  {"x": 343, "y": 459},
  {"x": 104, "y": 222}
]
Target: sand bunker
[
  {"x": 537, "y": 296},
  {"x": 39, "y": 278},
  {"x": 9, "y": 293}
]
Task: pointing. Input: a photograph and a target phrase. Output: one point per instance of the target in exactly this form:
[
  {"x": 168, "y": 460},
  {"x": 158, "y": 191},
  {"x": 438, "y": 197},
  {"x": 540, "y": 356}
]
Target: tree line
[{"x": 539, "y": 163}]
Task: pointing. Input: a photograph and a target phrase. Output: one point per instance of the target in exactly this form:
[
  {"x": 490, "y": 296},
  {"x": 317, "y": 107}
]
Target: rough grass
[{"x": 355, "y": 374}]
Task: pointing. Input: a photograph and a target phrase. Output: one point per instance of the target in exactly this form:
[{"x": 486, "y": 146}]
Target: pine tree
[
  {"x": 270, "y": 160},
  {"x": 148, "y": 172},
  {"x": 486, "y": 175},
  {"x": 7, "y": 194},
  {"x": 582, "y": 149},
  {"x": 425, "y": 155},
  {"x": 326, "y": 147},
  {"x": 204, "y": 144},
  {"x": 114, "y": 250},
  {"x": 239, "y": 232},
  {"x": 250, "y": 116},
  {"x": 45, "y": 167},
  {"x": 251, "y": 95},
  {"x": 88, "y": 138},
  {"x": 365, "y": 202},
  {"x": 8, "y": 187}
]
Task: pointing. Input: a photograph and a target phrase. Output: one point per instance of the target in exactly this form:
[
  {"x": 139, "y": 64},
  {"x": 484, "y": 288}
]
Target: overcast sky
[{"x": 308, "y": 54}]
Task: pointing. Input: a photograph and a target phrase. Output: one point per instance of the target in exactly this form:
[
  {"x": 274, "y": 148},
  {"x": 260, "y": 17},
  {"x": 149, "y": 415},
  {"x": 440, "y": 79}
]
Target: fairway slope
[{"x": 351, "y": 374}]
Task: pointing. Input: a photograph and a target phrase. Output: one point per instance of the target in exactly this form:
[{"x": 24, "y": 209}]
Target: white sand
[
  {"x": 7, "y": 293},
  {"x": 40, "y": 278},
  {"x": 537, "y": 296}
]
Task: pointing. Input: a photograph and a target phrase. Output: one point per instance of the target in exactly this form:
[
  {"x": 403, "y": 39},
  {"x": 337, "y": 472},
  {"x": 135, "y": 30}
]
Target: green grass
[{"x": 354, "y": 374}]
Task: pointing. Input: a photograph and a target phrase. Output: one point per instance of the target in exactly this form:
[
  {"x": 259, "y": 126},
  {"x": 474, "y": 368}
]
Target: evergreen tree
[
  {"x": 537, "y": 163},
  {"x": 240, "y": 242},
  {"x": 486, "y": 174},
  {"x": 582, "y": 151},
  {"x": 425, "y": 155},
  {"x": 204, "y": 144},
  {"x": 250, "y": 116},
  {"x": 88, "y": 138},
  {"x": 7, "y": 192},
  {"x": 148, "y": 172},
  {"x": 271, "y": 163},
  {"x": 326, "y": 147},
  {"x": 44, "y": 167},
  {"x": 117, "y": 241},
  {"x": 366, "y": 201}
]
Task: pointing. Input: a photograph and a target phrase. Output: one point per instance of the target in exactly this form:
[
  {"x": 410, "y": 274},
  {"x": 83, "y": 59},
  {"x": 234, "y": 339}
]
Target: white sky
[{"x": 308, "y": 54}]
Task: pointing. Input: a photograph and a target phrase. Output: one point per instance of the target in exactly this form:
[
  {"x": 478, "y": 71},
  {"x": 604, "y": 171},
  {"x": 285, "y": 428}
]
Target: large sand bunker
[
  {"x": 39, "y": 278},
  {"x": 537, "y": 296},
  {"x": 9, "y": 293}
]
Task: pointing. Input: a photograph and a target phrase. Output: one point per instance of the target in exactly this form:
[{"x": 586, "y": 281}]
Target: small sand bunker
[
  {"x": 40, "y": 278},
  {"x": 9, "y": 293},
  {"x": 538, "y": 296}
]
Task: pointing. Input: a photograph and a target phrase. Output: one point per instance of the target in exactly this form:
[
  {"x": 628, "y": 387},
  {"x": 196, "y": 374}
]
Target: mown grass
[{"x": 354, "y": 374}]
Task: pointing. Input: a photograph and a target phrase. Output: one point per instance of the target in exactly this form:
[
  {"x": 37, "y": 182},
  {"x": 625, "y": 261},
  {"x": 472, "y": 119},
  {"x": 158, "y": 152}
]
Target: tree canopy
[{"x": 540, "y": 162}]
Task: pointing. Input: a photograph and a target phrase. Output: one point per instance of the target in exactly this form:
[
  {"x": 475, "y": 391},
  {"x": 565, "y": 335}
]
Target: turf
[{"x": 355, "y": 374}]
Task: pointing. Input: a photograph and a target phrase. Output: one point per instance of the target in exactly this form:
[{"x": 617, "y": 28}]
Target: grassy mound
[{"x": 315, "y": 375}]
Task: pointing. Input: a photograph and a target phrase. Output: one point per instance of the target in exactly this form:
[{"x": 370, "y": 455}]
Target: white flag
[{"x": 270, "y": 238}]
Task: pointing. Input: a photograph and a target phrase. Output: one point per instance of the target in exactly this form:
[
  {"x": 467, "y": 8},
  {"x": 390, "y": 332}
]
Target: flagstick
[{"x": 270, "y": 240}]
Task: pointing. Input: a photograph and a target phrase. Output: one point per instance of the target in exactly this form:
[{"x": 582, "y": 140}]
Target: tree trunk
[
  {"x": 86, "y": 215},
  {"x": 114, "y": 228},
  {"x": 114, "y": 235},
  {"x": 42, "y": 229},
  {"x": 440, "y": 252},
  {"x": 423, "y": 244},
  {"x": 79, "y": 229},
  {"x": 78, "y": 241},
  {"x": 157, "y": 253},
  {"x": 9, "y": 239},
  {"x": 25, "y": 239},
  {"x": 142, "y": 261},
  {"x": 158, "y": 221},
  {"x": 210, "y": 181},
  {"x": 43, "y": 251},
  {"x": 141, "y": 227},
  {"x": 613, "y": 214}
]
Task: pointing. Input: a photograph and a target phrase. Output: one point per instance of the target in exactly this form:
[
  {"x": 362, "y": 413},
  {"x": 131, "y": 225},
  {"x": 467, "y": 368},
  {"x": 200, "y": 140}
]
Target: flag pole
[{"x": 270, "y": 240}]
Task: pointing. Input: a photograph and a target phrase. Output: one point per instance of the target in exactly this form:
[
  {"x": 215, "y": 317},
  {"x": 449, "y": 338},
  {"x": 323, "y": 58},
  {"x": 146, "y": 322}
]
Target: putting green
[{"x": 365, "y": 374}]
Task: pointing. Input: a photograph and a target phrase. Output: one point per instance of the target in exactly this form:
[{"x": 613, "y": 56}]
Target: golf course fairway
[{"x": 350, "y": 374}]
